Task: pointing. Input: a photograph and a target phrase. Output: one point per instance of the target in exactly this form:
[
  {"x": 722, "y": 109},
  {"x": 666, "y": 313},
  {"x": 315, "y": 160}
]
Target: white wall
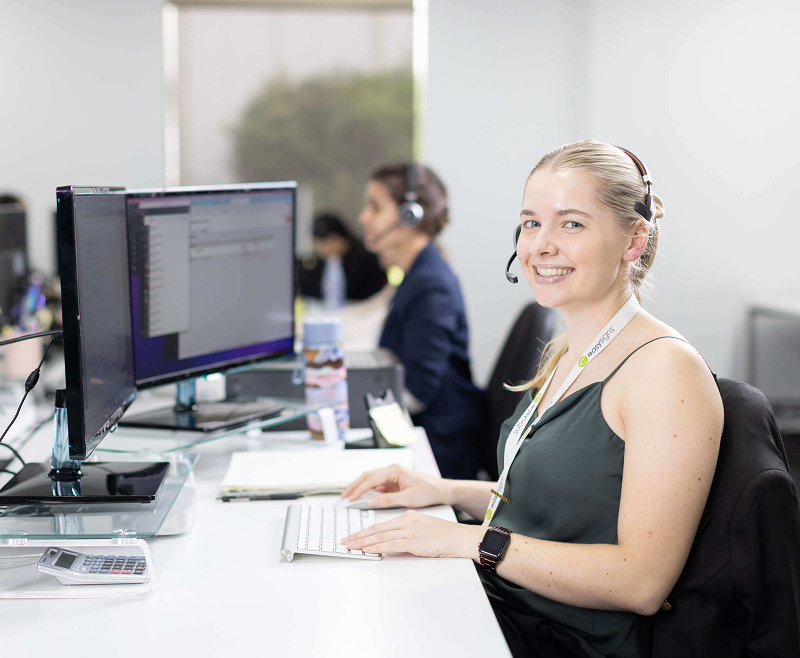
[
  {"x": 707, "y": 94},
  {"x": 81, "y": 102},
  {"x": 507, "y": 82},
  {"x": 704, "y": 91}
]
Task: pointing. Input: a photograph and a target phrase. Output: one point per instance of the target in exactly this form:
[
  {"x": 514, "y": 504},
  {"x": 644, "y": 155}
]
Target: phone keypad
[{"x": 114, "y": 564}]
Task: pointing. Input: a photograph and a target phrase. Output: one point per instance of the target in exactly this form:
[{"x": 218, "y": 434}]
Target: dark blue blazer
[{"x": 427, "y": 328}]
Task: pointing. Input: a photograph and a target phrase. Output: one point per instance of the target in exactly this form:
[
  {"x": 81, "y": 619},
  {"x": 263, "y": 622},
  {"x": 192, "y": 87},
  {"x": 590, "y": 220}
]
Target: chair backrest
[
  {"x": 739, "y": 592},
  {"x": 517, "y": 363}
]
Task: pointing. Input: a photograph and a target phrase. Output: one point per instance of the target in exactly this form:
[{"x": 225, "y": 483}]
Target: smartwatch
[{"x": 493, "y": 547}]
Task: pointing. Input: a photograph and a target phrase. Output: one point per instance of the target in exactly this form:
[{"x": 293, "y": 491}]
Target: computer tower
[{"x": 367, "y": 372}]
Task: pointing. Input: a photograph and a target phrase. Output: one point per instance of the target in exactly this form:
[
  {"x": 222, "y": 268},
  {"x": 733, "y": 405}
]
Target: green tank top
[{"x": 565, "y": 485}]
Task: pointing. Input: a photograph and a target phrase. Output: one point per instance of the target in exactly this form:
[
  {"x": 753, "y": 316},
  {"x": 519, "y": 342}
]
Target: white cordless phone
[{"x": 73, "y": 568}]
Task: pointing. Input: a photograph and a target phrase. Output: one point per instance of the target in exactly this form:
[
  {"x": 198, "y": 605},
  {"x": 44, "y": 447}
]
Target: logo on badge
[
  {"x": 488, "y": 514},
  {"x": 583, "y": 361},
  {"x": 538, "y": 397}
]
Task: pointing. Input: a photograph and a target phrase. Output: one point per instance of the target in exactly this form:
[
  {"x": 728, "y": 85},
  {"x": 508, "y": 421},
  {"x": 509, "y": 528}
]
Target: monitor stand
[
  {"x": 188, "y": 414},
  {"x": 67, "y": 480}
]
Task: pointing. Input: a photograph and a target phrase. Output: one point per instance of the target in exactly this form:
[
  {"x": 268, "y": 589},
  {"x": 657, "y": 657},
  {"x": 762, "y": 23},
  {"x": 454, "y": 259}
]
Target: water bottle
[
  {"x": 325, "y": 372},
  {"x": 334, "y": 285}
]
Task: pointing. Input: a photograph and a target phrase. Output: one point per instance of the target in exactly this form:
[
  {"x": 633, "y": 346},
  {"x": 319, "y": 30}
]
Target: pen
[
  {"x": 280, "y": 495},
  {"x": 273, "y": 496}
]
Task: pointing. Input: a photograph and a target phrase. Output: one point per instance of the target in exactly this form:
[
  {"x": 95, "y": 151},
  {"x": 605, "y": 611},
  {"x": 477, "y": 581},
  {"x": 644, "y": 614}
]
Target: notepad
[{"x": 305, "y": 471}]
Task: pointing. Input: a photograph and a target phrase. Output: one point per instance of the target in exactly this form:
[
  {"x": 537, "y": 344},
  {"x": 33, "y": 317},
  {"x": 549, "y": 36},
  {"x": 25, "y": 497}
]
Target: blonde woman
[{"x": 607, "y": 463}]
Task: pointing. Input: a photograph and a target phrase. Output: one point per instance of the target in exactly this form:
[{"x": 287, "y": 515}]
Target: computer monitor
[
  {"x": 13, "y": 261},
  {"x": 212, "y": 288},
  {"x": 98, "y": 359},
  {"x": 95, "y": 294},
  {"x": 774, "y": 360}
]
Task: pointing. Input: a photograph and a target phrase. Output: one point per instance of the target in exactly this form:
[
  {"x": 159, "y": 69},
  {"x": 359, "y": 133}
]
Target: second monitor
[{"x": 212, "y": 287}]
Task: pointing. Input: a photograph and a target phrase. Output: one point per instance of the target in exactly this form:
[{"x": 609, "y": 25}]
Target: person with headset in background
[
  {"x": 607, "y": 462},
  {"x": 426, "y": 326}
]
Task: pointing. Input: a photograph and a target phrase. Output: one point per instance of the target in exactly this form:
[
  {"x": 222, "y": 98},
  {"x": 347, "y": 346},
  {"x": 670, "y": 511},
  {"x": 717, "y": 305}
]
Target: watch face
[{"x": 494, "y": 542}]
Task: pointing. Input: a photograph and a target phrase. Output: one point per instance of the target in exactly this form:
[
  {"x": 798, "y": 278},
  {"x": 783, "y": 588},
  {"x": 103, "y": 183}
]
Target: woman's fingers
[
  {"x": 364, "y": 483},
  {"x": 383, "y": 526},
  {"x": 348, "y": 490},
  {"x": 380, "y": 477},
  {"x": 408, "y": 533}
]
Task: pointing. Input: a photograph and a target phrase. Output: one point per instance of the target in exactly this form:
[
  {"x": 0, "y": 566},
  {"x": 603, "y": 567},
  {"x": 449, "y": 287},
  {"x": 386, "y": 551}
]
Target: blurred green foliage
[{"x": 329, "y": 131}]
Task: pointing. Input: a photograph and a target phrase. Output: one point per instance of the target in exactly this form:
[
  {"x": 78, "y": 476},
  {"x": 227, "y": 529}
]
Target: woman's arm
[
  {"x": 427, "y": 327},
  {"x": 403, "y": 487},
  {"x": 672, "y": 416}
]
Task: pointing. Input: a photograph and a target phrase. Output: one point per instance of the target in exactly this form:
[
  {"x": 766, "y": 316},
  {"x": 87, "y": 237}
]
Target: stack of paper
[{"x": 304, "y": 472}]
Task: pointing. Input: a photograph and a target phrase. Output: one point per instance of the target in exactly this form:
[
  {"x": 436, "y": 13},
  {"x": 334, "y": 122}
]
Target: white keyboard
[{"x": 320, "y": 530}]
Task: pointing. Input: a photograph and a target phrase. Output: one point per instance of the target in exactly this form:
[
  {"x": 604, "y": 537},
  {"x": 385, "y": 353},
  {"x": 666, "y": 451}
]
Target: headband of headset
[{"x": 642, "y": 208}]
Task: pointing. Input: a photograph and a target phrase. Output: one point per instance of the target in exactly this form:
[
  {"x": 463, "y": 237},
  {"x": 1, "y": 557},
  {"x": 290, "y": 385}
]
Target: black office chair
[
  {"x": 517, "y": 363},
  {"x": 739, "y": 593}
]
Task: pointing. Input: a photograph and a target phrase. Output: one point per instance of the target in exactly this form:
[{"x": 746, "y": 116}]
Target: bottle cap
[
  {"x": 61, "y": 398},
  {"x": 326, "y": 331}
]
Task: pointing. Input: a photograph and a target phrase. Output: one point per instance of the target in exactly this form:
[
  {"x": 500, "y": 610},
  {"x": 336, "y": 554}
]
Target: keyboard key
[
  {"x": 302, "y": 539},
  {"x": 314, "y": 527},
  {"x": 328, "y": 531},
  {"x": 355, "y": 520},
  {"x": 342, "y": 529}
]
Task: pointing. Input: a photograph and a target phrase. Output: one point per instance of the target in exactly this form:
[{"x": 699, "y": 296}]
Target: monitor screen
[
  {"x": 13, "y": 265},
  {"x": 775, "y": 357},
  {"x": 212, "y": 278},
  {"x": 95, "y": 294}
]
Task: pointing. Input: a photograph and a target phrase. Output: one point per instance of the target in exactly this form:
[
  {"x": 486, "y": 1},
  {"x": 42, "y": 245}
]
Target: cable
[
  {"x": 16, "y": 454},
  {"x": 41, "y": 334},
  {"x": 30, "y": 382}
]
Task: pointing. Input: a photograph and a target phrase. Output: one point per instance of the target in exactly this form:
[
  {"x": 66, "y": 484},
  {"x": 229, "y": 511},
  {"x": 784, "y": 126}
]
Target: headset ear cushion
[
  {"x": 644, "y": 208},
  {"x": 517, "y": 232}
]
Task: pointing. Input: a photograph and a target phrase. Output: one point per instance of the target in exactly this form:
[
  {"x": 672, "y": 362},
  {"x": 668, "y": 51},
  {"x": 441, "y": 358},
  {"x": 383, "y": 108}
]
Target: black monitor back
[{"x": 95, "y": 293}]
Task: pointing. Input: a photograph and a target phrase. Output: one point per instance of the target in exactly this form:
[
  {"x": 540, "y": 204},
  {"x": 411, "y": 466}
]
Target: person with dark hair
[
  {"x": 405, "y": 209},
  {"x": 335, "y": 245}
]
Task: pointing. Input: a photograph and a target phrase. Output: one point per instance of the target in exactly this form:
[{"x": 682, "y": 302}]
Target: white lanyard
[{"x": 517, "y": 436}]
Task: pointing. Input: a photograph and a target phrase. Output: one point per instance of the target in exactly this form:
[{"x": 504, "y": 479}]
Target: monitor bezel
[
  {"x": 199, "y": 190},
  {"x": 80, "y": 444}
]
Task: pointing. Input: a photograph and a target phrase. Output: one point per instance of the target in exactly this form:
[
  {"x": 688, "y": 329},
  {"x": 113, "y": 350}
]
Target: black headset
[
  {"x": 410, "y": 212},
  {"x": 642, "y": 209}
]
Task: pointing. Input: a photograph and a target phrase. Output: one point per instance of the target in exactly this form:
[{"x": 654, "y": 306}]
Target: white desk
[{"x": 221, "y": 590}]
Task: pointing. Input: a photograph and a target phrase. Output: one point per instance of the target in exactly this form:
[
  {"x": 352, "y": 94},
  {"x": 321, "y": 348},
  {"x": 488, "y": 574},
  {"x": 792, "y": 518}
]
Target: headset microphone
[
  {"x": 383, "y": 234},
  {"x": 512, "y": 278}
]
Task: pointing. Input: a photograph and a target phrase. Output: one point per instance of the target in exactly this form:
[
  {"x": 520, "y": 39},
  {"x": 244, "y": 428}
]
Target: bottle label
[{"x": 326, "y": 383}]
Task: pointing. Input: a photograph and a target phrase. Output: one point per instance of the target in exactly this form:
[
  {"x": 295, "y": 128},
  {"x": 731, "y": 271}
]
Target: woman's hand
[
  {"x": 418, "y": 534},
  {"x": 398, "y": 487}
]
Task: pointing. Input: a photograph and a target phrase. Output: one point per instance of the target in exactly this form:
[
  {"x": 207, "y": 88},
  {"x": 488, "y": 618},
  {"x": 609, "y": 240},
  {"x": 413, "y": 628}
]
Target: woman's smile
[{"x": 548, "y": 274}]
